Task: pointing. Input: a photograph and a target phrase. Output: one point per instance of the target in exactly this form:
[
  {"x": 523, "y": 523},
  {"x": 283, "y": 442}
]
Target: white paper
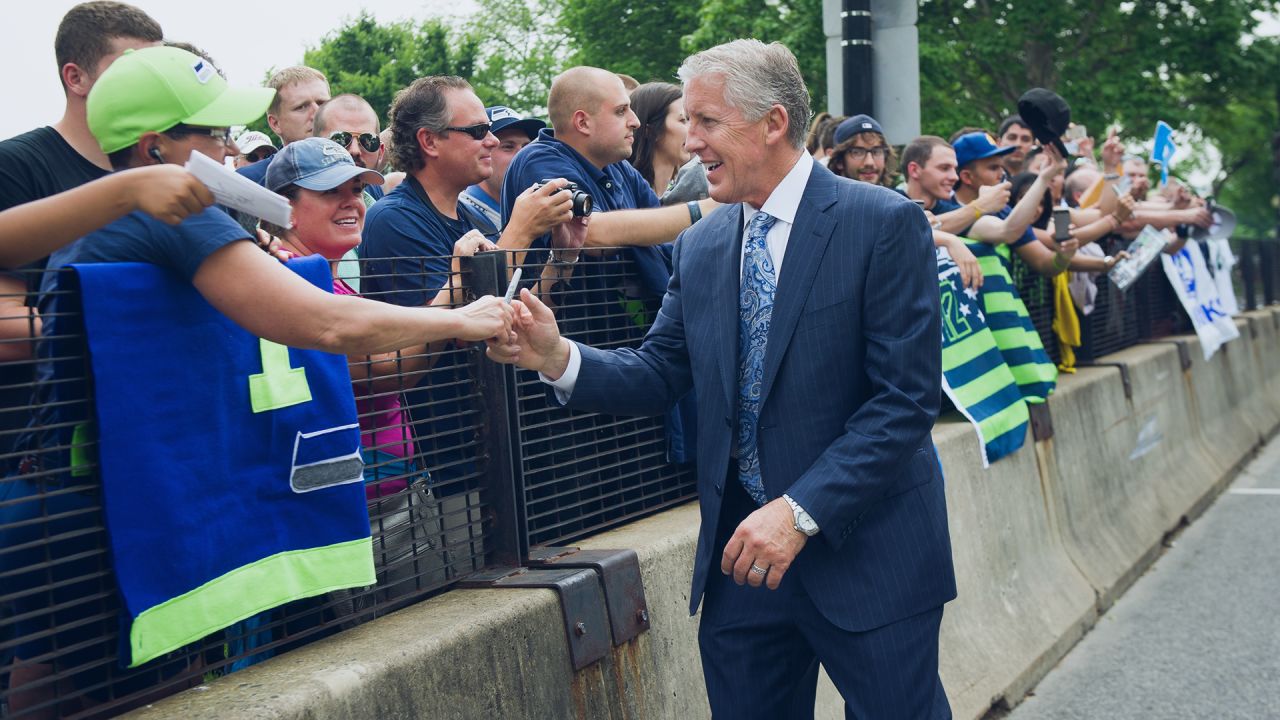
[
  {"x": 238, "y": 192},
  {"x": 1142, "y": 252}
]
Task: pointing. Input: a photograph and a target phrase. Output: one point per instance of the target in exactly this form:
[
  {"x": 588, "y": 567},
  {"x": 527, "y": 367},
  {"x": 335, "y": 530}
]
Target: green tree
[
  {"x": 795, "y": 23},
  {"x": 639, "y": 39},
  {"x": 375, "y": 60},
  {"x": 522, "y": 46},
  {"x": 1131, "y": 63},
  {"x": 1246, "y": 130}
]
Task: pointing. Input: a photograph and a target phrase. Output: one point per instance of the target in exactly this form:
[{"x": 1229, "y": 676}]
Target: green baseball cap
[{"x": 155, "y": 88}]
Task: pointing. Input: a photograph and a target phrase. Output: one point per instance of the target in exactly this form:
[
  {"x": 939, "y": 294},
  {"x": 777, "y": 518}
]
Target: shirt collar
[{"x": 784, "y": 201}]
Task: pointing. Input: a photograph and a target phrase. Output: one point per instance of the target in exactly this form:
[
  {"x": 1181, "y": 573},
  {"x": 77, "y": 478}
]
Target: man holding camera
[
  {"x": 442, "y": 139},
  {"x": 592, "y": 131}
]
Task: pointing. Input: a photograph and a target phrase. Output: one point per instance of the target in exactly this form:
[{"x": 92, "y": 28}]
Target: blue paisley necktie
[{"x": 755, "y": 308}]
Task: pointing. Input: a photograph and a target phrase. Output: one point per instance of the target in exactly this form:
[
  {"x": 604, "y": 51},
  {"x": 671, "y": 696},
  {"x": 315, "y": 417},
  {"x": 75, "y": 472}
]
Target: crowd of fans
[{"x": 451, "y": 175}]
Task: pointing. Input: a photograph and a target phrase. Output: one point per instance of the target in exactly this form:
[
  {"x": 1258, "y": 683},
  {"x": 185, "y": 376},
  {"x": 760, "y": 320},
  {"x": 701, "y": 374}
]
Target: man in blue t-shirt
[
  {"x": 593, "y": 129},
  {"x": 979, "y": 165},
  {"x": 443, "y": 141}
]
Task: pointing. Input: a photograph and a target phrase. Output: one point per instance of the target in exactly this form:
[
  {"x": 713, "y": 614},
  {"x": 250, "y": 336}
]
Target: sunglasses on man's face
[
  {"x": 261, "y": 154},
  {"x": 479, "y": 131},
  {"x": 368, "y": 141}
]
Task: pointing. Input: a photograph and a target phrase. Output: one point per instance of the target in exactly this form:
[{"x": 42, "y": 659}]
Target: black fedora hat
[{"x": 1047, "y": 115}]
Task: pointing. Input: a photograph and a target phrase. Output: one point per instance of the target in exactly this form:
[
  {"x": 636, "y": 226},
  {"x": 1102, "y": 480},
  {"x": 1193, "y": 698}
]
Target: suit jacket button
[{"x": 719, "y": 489}]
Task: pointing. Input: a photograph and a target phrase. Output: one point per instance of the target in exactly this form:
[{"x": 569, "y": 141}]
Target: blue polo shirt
[
  {"x": 613, "y": 187},
  {"x": 404, "y": 224},
  {"x": 946, "y": 206}
]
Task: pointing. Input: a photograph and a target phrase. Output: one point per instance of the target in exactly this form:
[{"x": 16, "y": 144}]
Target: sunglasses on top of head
[{"x": 368, "y": 141}]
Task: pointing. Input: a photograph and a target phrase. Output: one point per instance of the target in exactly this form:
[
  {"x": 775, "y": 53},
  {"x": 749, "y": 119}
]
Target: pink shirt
[{"x": 383, "y": 422}]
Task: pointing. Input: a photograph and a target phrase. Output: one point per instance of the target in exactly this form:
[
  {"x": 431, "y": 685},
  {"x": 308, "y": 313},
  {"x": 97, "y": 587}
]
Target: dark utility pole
[{"x": 855, "y": 21}]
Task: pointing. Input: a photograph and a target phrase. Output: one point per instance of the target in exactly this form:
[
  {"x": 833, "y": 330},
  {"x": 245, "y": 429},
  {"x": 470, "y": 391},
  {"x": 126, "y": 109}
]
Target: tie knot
[{"x": 760, "y": 223}]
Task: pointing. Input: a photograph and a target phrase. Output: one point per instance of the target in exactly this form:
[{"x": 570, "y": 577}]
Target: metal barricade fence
[
  {"x": 1036, "y": 291},
  {"x": 467, "y": 466}
]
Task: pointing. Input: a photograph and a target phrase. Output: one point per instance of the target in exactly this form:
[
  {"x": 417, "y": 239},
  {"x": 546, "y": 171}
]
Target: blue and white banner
[{"x": 1190, "y": 278}]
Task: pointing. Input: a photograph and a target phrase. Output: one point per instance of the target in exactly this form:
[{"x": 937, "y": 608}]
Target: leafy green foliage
[
  {"x": 375, "y": 60},
  {"x": 795, "y": 23},
  {"x": 639, "y": 39},
  {"x": 522, "y": 47},
  {"x": 1128, "y": 63}
]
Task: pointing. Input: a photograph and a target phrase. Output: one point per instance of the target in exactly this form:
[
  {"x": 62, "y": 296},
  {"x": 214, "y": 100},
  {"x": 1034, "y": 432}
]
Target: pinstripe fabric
[{"x": 849, "y": 392}]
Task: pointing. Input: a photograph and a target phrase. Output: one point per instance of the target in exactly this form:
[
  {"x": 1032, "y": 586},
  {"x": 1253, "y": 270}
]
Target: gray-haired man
[{"x": 824, "y": 524}]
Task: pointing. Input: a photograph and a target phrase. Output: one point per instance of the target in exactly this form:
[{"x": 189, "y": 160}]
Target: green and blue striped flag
[
  {"x": 1011, "y": 325},
  {"x": 974, "y": 374}
]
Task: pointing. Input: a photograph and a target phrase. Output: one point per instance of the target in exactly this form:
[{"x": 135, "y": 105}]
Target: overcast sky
[{"x": 245, "y": 38}]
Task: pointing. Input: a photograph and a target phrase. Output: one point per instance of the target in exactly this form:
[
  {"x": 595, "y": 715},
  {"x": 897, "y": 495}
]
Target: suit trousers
[{"x": 761, "y": 648}]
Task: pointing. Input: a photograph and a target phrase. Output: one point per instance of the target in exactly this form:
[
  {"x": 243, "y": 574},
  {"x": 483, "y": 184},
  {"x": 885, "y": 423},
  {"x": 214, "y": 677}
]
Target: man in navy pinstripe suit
[{"x": 805, "y": 315}]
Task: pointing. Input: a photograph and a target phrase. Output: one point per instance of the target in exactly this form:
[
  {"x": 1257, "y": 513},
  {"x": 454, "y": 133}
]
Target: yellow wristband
[{"x": 977, "y": 212}]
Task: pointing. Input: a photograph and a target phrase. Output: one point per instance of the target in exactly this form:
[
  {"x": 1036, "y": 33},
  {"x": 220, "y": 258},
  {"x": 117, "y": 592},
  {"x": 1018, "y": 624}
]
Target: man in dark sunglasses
[{"x": 351, "y": 122}]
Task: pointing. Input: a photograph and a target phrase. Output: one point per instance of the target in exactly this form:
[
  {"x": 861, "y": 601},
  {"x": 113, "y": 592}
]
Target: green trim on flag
[
  {"x": 983, "y": 386},
  {"x": 1013, "y": 417},
  {"x": 249, "y": 590}
]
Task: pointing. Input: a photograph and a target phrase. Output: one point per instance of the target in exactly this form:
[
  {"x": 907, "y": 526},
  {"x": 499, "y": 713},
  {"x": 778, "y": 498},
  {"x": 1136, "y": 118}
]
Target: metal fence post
[
  {"x": 1268, "y": 263},
  {"x": 1247, "y": 249},
  {"x": 486, "y": 274}
]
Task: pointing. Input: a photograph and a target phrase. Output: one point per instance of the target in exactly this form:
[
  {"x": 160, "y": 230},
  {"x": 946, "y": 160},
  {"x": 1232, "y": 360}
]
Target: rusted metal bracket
[
  {"x": 1124, "y": 375},
  {"x": 1041, "y": 421},
  {"x": 1184, "y": 351},
  {"x": 582, "y": 603},
  {"x": 619, "y": 572}
]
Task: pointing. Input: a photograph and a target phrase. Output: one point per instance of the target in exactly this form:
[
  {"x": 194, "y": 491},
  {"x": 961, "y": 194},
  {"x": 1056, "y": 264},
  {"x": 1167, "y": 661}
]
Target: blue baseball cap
[
  {"x": 977, "y": 146},
  {"x": 856, "y": 125},
  {"x": 315, "y": 163},
  {"x": 502, "y": 117}
]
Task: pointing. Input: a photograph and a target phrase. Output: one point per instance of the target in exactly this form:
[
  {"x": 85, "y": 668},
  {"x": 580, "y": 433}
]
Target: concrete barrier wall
[{"x": 1043, "y": 540}]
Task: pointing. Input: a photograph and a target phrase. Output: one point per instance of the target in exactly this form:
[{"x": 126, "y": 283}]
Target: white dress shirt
[{"x": 782, "y": 204}]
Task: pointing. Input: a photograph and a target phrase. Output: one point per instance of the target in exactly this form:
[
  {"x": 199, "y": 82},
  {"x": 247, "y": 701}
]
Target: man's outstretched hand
[{"x": 537, "y": 343}]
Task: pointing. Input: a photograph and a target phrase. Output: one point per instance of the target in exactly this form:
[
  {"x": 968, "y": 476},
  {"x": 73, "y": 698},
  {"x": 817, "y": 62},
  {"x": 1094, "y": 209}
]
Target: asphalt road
[{"x": 1198, "y": 636}]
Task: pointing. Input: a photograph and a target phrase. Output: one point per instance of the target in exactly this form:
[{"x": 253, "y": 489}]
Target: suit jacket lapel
[
  {"x": 806, "y": 245},
  {"x": 724, "y": 291}
]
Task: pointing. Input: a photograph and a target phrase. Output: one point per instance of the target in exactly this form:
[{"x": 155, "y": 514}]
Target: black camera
[{"x": 582, "y": 203}]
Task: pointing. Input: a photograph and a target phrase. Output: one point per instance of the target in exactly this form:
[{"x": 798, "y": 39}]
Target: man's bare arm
[{"x": 642, "y": 227}]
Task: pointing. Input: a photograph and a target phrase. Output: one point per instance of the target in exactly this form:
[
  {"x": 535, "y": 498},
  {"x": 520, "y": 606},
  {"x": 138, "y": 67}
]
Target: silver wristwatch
[{"x": 801, "y": 520}]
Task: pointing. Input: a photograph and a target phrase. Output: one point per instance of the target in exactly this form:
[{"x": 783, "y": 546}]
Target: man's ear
[
  {"x": 913, "y": 170},
  {"x": 428, "y": 142},
  {"x": 776, "y": 124},
  {"x": 581, "y": 122},
  {"x": 965, "y": 176},
  {"x": 76, "y": 80},
  {"x": 273, "y": 122}
]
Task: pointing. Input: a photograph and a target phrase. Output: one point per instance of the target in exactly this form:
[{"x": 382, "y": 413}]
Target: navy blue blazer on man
[{"x": 850, "y": 393}]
